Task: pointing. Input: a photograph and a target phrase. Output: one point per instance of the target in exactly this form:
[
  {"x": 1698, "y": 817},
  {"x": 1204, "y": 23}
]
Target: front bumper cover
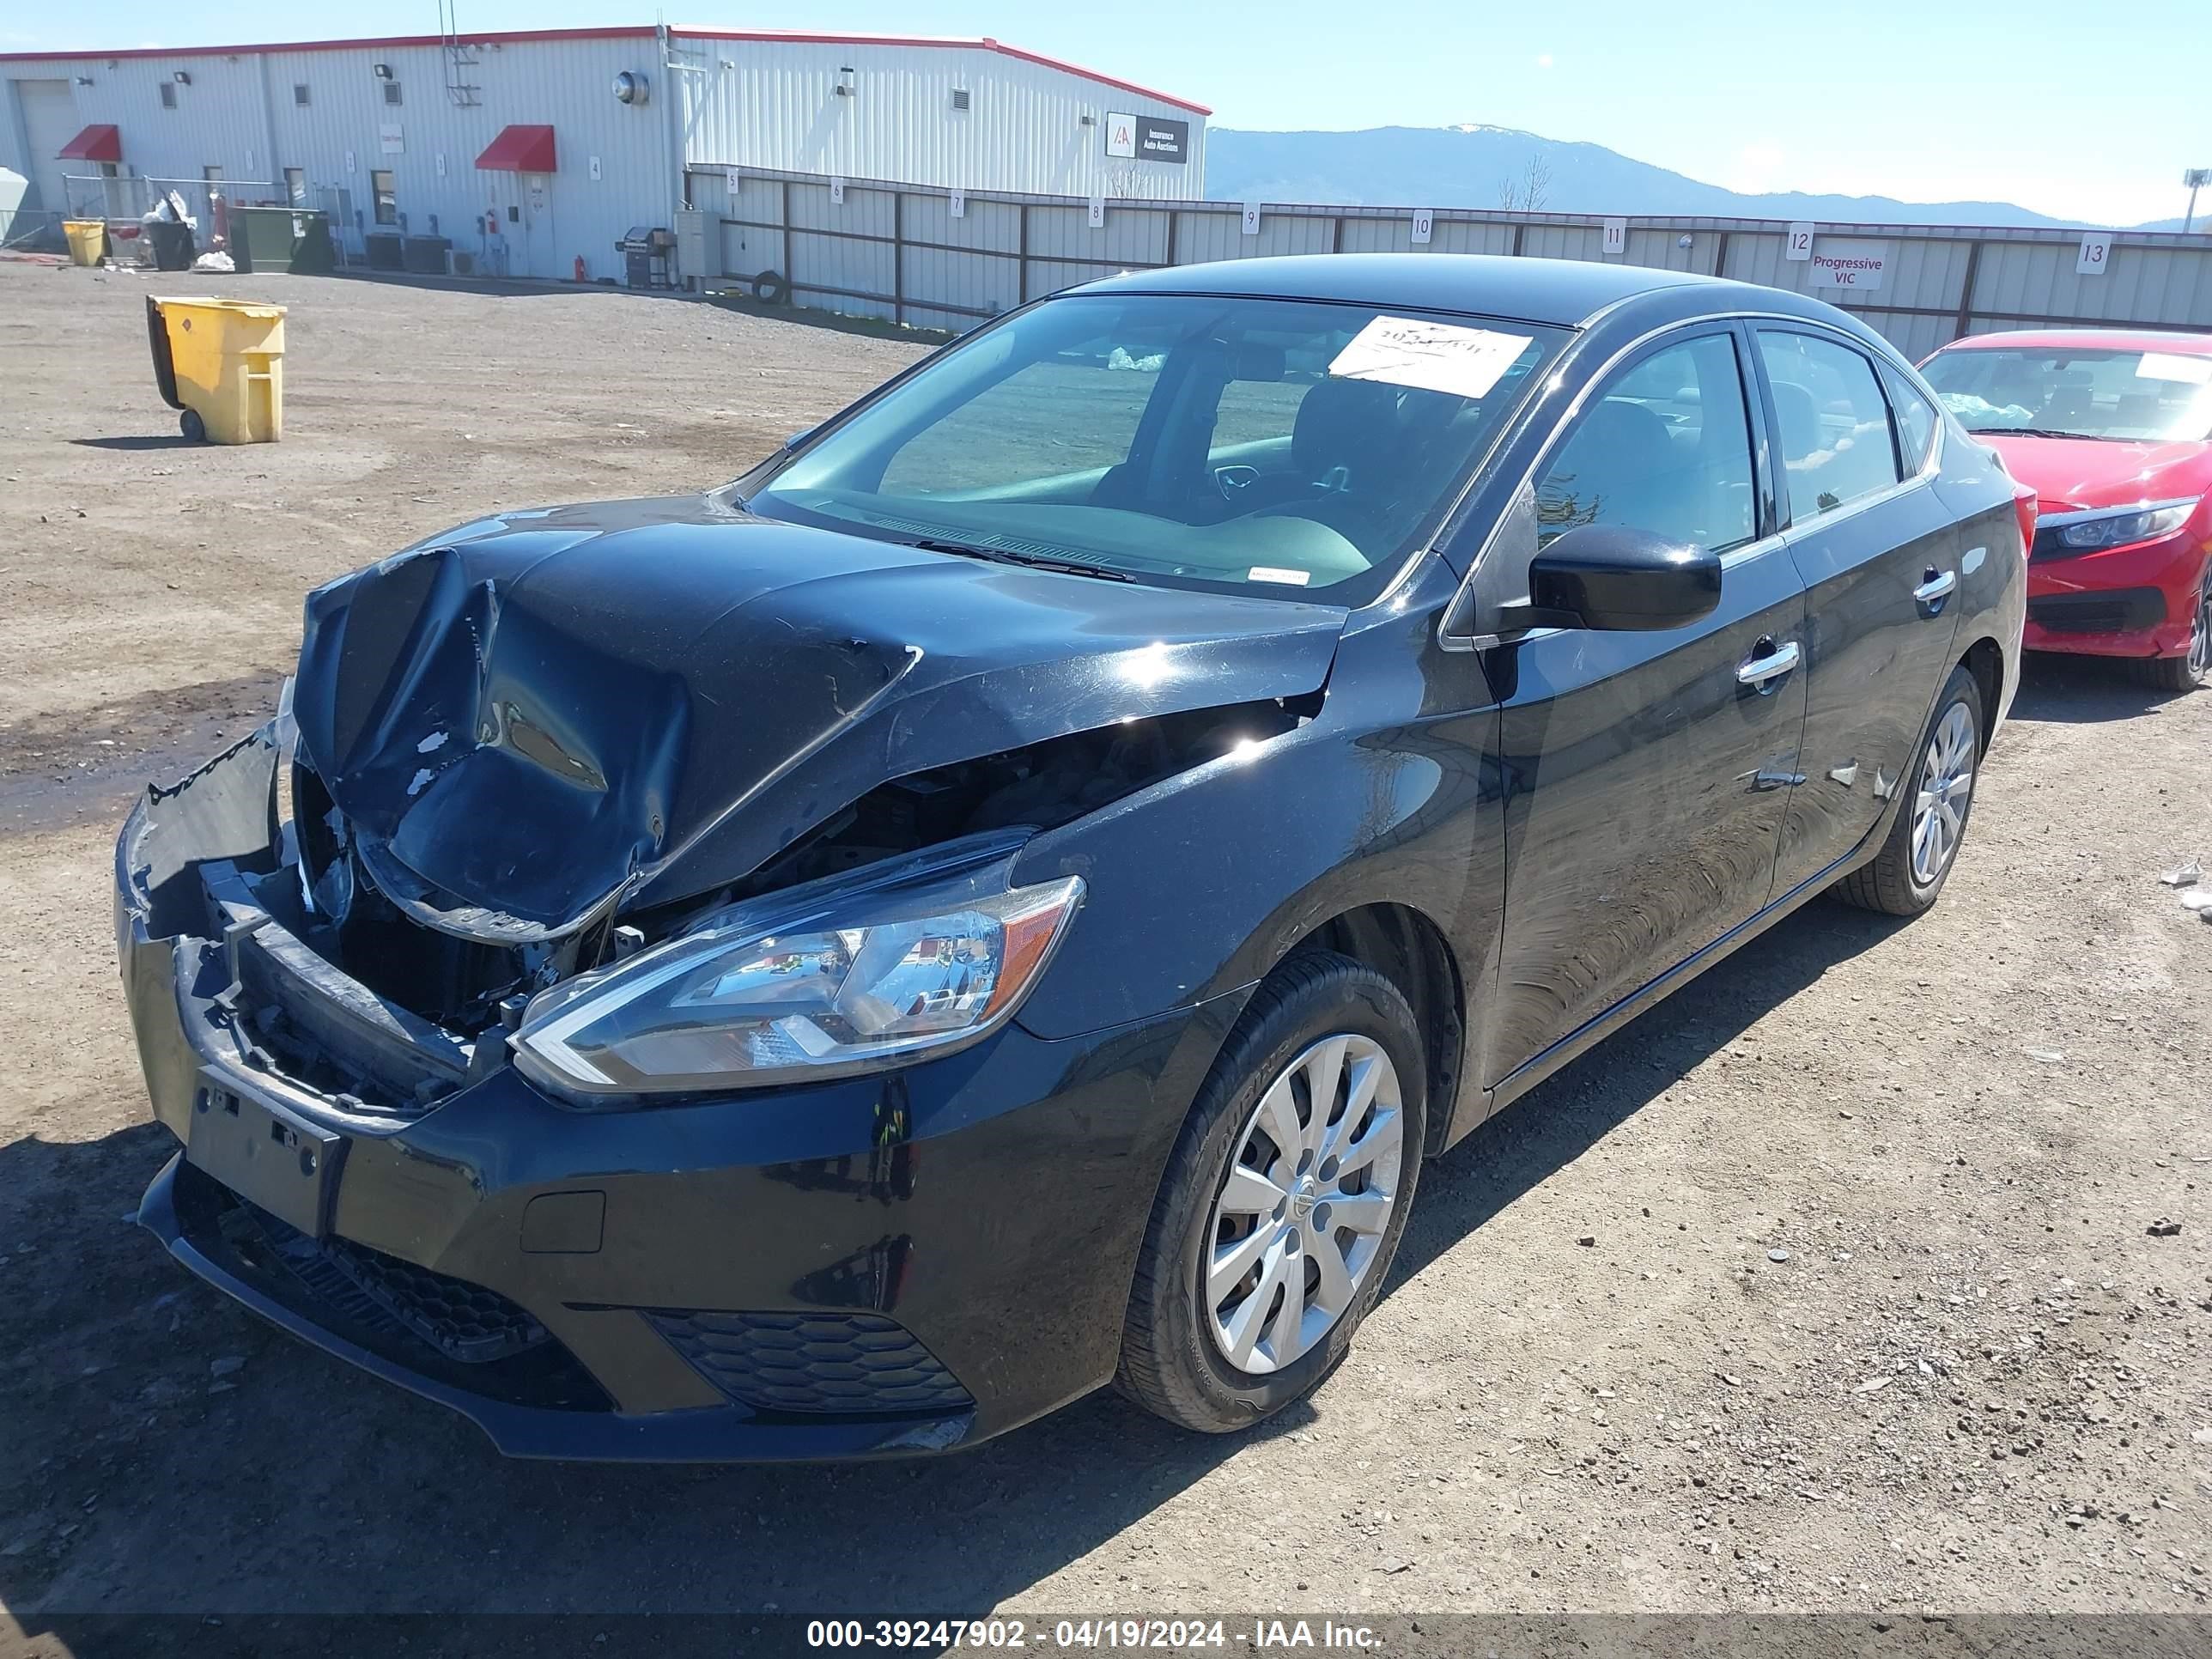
[
  {"x": 2127, "y": 602},
  {"x": 881, "y": 1265}
]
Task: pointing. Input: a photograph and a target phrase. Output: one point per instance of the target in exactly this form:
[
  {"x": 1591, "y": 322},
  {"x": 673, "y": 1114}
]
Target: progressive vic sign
[{"x": 1838, "y": 263}]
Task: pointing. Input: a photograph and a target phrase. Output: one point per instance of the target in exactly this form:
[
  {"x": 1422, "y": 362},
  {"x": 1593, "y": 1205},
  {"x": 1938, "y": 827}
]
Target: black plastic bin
[
  {"x": 174, "y": 246},
  {"x": 426, "y": 255},
  {"x": 388, "y": 251}
]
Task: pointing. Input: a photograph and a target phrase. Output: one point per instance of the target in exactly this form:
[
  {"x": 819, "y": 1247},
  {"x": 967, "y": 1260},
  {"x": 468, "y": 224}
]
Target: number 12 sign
[
  {"x": 1799, "y": 244},
  {"x": 2090, "y": 262}
]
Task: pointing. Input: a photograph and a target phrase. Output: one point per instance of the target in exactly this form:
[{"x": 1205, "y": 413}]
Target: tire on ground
[
  {"x": 1886, "y": 884},
  {"x": 1170, "y": 1363}
]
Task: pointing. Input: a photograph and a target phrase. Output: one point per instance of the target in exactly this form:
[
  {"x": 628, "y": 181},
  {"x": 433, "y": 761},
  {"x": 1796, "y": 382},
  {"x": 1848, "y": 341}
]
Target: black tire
[
  {"x": 2183, "y": 673},
  {"x": 1171, "y": 1362},
  {"x": 193, "y": 427},
  {"x": 771, "y": 288},
  {"x": 1889, "y": 883}
]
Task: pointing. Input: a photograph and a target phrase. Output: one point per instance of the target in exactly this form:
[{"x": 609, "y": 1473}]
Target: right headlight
[
  {"x": 2122, "y": 526},
  {"x": 887, "y": 980}
]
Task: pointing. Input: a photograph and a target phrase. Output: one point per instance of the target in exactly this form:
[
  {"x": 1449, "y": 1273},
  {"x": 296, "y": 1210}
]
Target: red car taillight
[{"x": 2023, "y": 505}]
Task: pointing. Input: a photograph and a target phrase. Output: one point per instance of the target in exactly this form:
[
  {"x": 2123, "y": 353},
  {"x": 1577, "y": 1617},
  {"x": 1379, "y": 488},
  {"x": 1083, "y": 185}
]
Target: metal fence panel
[{"x": 897, "y": 251}]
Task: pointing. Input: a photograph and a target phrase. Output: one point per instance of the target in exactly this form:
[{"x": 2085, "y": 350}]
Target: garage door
[{"x": 49, "y": 122}]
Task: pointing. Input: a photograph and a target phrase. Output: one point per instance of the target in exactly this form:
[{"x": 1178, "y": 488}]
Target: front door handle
[
  {"x": 1760, "y": 670},
  {"x": 1936, "y": 585}
]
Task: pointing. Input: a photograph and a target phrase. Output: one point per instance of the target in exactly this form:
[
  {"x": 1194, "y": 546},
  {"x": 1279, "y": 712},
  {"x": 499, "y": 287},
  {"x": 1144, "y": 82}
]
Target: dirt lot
[{"x": 1974, "y": 1382}]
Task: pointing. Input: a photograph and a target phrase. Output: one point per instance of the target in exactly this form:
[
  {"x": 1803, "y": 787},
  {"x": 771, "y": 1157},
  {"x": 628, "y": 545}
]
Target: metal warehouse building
[{"x": 529, "y": 150}]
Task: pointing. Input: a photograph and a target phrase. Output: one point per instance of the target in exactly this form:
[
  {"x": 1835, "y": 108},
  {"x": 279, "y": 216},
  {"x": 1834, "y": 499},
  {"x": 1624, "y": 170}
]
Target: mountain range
[{"x": 1470, "y": 167}]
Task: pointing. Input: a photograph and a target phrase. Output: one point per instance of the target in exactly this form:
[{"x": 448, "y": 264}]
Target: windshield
[
  {"x": 1282, "y": 447},
  {"x": 2070, "y": 392}
]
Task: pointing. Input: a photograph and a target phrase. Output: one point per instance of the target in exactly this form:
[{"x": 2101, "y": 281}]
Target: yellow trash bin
[
  {"x": 222, "y": 361},
  {"x": 88, "y": 240}
]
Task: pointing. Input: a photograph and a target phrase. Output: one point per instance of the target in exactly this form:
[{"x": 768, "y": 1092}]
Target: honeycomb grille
[{"x": 814, "y": 1364}]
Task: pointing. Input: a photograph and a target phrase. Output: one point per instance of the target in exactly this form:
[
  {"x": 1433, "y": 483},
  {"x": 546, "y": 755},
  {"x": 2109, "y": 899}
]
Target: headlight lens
[
  {"x": 2129, "y": 524},
  {"x": 734, "y": 1006}
]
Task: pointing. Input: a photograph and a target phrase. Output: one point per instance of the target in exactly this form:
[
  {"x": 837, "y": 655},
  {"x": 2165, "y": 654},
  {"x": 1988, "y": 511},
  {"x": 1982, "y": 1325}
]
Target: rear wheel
[
  {"x": 1283, "y": 1202},
  {"x": 2188, "y": 671},
  {"x": 1909, "y": 872},
  {"x": 193, "y": 427}
]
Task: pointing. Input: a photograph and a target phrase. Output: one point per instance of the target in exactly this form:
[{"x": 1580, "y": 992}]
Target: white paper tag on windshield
[
  {"x": 1432, "y": 357},
  {"x": 2170, "y": 365},
  {"x": 1270, "y": 572}
]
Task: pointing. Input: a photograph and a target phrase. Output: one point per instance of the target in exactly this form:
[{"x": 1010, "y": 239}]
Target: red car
[{"x": 2112, "y": 429}]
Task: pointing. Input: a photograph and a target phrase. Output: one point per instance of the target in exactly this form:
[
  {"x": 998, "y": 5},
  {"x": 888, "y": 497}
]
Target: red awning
[
  {"x": 519, "y": 150},
  {"x": 95, "y": 144}
]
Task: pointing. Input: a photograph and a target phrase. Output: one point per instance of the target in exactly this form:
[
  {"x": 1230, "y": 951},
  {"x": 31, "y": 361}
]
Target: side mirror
[{"x": 1610, "y": 577}]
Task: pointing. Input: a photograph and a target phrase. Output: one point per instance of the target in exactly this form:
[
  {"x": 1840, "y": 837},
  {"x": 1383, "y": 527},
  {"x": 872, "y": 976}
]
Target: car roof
[
  {"x": 2091, "y": 339},
  {"x": 1566, "y": 292}
]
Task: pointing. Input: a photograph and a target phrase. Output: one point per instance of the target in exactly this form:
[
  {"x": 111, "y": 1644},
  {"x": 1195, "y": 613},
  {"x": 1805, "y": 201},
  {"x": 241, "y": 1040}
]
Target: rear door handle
[
  {"x": 1936, "y": 585},
  {"x": 1758, "y": 670}
]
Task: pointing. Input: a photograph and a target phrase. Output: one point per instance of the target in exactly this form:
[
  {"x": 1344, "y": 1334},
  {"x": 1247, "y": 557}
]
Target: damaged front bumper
[{"x": 888, "y": 1264}]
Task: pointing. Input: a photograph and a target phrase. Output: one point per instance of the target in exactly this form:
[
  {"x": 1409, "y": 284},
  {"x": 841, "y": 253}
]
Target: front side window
[
  {"x": 1278, "y": 447},
  {"x": 387, "y": 202},
  {"x": 1666, "y": 448},
  {"x": 1836, "y": 442},
  {"x": 2123, "y": 396}
]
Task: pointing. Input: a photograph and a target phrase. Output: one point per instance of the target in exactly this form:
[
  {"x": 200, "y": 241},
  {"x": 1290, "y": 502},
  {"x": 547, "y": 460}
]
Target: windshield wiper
[
  {"x": 2042, "y": 431},
  {"x": 1030, "y": 561}
]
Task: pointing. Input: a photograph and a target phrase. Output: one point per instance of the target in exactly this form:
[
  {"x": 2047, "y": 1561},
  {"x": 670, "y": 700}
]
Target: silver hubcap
[
  {"x": 1946, "y": 780},
  {"x": 1308, "y": 1198}
]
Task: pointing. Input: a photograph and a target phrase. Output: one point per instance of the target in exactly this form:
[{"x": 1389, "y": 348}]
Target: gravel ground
[{"x": 1831, "y": 1285}]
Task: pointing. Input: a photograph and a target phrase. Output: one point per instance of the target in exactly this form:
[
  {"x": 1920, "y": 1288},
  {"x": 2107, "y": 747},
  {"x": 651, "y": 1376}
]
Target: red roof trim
[
  {"x": 519, "y": 150},
  {"x": 982, "y": 44},
  {"x": 631, "y": 32},
  {"x": 504, "y": 38},
  {"x": 94, "y": 144}
]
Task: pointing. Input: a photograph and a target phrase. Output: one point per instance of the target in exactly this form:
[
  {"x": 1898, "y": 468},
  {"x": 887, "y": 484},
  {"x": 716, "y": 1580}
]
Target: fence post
[
  {"x": 1966, "y": 290},
  {"x": 898, "y": 258},
  {"x": 1172, "y": 234},
  {"x": 1517, "y": 228},
  {"x": 790, "y": 252},
  {"x": 1022, "y": 256},
  {"x": 1720, "y": 256}
]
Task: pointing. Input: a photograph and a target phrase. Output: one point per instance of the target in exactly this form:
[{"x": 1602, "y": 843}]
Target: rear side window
[
  {"x": 1915, "y": 423},
  {"x": 1836, "y": 442},
  {"x": 1666, "y": 448}
]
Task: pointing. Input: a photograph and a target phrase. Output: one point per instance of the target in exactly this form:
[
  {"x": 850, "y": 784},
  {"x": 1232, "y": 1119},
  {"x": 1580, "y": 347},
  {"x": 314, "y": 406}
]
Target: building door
[
  {"x": 49, "y": 122},
  {"x": 540, "y": 258}
]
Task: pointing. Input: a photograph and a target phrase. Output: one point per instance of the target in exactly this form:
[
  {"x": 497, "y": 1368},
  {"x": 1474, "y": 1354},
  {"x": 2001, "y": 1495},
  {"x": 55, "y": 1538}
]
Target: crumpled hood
[
  {"x": 536, "y": 717},
  {"x": 2076, "y": 474}
]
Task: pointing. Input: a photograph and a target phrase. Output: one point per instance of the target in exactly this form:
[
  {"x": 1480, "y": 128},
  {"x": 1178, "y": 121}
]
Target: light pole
[{"x": 2195, "y": 178}]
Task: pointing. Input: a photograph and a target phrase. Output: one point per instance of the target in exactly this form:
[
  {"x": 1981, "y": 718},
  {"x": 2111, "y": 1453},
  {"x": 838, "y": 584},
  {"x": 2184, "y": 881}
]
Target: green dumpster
[{"x": 279, "y": 238}]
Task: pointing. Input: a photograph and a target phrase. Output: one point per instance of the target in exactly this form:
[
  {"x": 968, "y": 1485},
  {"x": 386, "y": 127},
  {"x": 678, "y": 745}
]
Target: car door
[
  {"x": 1646, "y": 774},
  {"x": 1880, "y": 558}
]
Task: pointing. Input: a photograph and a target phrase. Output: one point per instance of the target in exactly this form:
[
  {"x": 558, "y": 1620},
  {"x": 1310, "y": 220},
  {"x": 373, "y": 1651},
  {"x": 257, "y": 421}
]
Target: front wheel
[
  {"x": 1910, "y": 870},
  {"x": 1283, "y": 1202}
]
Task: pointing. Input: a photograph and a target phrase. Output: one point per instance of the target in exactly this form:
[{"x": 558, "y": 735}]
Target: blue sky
[{"x": 2072, "y": 107}]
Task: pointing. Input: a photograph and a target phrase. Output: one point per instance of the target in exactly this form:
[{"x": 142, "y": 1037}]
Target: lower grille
[
  {"x": 2121, "y": 610},
  {"x": 434, "y": 1330},
  {"x": 814, "y": 1364},
  {"x": 462, "y": 1321}
]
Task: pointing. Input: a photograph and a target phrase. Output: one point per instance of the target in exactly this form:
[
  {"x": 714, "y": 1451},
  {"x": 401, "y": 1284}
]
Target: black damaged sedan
[{"x": 1005, "y": 896}]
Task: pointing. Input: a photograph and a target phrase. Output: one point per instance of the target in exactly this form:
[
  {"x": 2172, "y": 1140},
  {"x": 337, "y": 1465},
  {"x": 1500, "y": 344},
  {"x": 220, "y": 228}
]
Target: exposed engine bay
[{"x": 315, "y": 914}]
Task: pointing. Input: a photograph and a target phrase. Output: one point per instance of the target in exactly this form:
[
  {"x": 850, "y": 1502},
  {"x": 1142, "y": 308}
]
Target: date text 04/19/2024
[{"x": 1267, "y": 1635}]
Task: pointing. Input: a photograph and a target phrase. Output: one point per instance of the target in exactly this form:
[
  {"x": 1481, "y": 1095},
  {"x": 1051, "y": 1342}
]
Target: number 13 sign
[{"x": 2091, "y": 260}]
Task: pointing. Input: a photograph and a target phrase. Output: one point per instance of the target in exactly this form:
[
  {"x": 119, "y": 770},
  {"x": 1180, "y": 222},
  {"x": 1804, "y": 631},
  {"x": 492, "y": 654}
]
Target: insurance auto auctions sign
[
  {"x": 1148, "y": 139},
  {"x": 1840, "y": 263}
]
